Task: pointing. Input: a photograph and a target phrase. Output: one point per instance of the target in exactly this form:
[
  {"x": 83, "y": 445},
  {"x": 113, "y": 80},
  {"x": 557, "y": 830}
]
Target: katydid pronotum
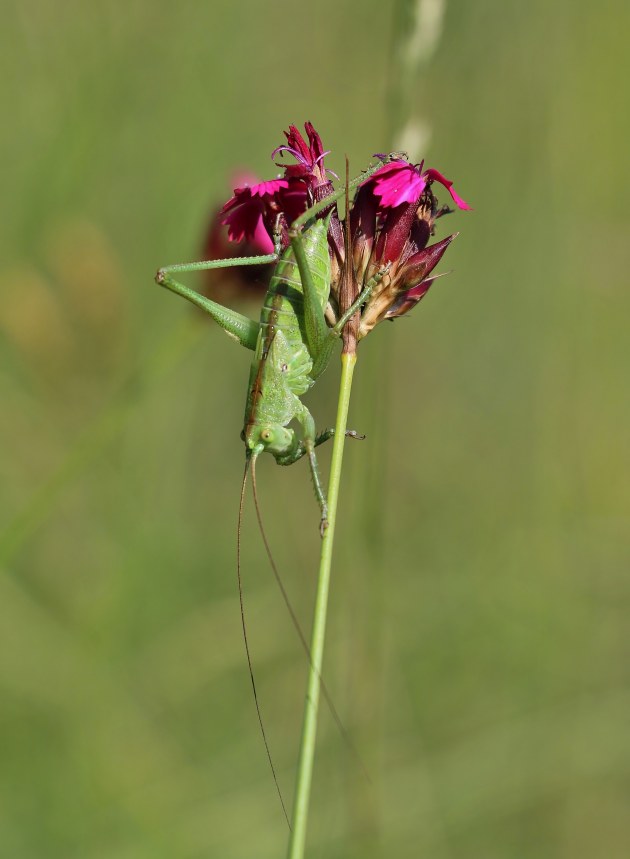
[{"x": 292, "y": 344}]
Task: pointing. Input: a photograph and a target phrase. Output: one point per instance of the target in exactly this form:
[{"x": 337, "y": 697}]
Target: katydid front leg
[
  {"x": 306, "y": 447},
  {"x": 320, "y": 438},
  {"x": 241, "y": 328},
  {"x": 309, "y": 436},
  {"x": 315, "y": 325}
]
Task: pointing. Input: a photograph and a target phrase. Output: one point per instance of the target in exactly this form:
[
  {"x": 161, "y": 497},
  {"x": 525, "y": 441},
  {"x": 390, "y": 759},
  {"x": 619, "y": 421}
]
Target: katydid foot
[{"x": 329, "y": 433}]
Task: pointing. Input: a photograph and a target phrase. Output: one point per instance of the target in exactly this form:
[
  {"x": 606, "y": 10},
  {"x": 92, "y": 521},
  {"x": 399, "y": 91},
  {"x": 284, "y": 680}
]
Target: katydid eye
[{"x": 265, "y": 435}]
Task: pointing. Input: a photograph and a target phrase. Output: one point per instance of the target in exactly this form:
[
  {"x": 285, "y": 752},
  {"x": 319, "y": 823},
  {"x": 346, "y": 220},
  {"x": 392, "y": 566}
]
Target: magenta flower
[
  {"x": 310, "y": 170},
  {"x": 255, "y": 211},
  {"x": 400, "y": 182},
  {"x": 392, "y": 220}
]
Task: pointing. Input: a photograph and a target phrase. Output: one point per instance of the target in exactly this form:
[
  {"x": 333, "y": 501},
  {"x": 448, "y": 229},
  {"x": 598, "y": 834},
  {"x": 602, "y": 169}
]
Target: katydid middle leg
[
  {"x": 306, "y": 447},
  {"x": 309, "y": 443},
  {"x": 363, "y": 296}
]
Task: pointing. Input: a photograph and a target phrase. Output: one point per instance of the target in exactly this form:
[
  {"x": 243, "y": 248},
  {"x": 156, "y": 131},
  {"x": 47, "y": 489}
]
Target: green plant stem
[{"x": 309, "y": 727}]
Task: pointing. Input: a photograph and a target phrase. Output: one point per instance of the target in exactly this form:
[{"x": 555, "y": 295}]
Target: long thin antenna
[
  {"x": 252, "y": 458},
  {"x": 298, "y": 629}
]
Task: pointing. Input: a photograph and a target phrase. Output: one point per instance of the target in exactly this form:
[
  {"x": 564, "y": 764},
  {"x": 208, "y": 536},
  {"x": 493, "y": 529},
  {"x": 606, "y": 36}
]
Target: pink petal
[
  {"x": 293, "y": 200},
  {"x": 459, "y": 201},
  {"x": 315, "y": 141},
  {"x": 296, "y": 141},
  {"x": 244, "y": 213},
  {"x": 397, "y": 183},
  {"x": 269, "y": 188},
  {"x": 435, "y": 176},
  {"x": 261, "y": 238},
  {"x": 244, "y": 219}
]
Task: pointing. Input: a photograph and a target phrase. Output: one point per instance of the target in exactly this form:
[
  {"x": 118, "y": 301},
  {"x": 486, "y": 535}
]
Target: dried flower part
[{"x": 401, "y": 291}]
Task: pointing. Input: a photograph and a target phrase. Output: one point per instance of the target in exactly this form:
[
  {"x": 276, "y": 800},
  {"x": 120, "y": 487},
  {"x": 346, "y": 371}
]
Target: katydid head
[{"x": 273, "y": 438}]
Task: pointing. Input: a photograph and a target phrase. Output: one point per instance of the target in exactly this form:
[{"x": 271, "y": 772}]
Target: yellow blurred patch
[{"x": 33, "y": 319}]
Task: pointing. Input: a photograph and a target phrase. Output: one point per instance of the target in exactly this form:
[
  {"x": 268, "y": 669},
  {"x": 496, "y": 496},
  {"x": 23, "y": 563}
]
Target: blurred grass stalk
[
  {"x": 417, "y": 27},
  {"x": 416, "y": 30}
]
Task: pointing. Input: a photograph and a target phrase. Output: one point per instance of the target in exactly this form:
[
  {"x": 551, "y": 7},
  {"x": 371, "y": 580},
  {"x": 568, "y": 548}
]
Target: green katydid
[
  {"x": 300, "y": 321},
  {"x": 292, "y": 345},
  {"x": 292, "y": 342}
]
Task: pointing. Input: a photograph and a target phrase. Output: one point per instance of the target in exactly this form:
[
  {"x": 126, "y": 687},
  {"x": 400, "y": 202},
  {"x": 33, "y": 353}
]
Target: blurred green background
[{"x": 478, "y": 641}]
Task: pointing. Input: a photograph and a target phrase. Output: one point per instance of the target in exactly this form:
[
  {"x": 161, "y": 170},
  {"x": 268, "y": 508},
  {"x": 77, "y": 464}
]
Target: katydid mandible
[{"x": 292, "y": 342}]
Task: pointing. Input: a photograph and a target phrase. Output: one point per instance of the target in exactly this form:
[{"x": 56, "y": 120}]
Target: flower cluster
[{"x": 391, "y": 221}]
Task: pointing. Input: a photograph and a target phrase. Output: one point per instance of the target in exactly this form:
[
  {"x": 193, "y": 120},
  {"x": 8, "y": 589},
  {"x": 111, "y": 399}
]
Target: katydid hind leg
[
  {"x": 240, "y": 327},
  {"x": 227, "y": 262}
]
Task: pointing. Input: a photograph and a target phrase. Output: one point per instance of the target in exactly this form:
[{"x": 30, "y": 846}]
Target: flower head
[
  {"x": 257, "y": 213},
  {"x": 309, "y": 156},
  {"x": 390, "y": 222}
]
